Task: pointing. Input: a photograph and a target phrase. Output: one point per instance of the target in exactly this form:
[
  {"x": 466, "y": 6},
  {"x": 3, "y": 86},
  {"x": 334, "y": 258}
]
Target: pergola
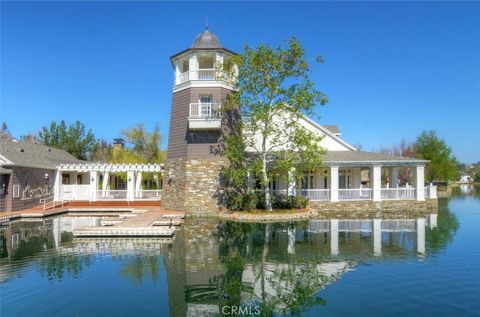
[{"x": 91, "y": 190}]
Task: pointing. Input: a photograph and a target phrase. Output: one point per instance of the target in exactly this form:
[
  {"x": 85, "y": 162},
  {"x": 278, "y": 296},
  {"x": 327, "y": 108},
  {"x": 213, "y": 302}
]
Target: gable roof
[
  {"x": 20, "y": 153},
  {"x": 329, "y": 133}
]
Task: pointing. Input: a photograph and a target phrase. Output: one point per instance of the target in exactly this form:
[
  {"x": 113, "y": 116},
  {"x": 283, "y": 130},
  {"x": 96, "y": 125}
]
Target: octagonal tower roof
[{"x": 206, "y": 39}]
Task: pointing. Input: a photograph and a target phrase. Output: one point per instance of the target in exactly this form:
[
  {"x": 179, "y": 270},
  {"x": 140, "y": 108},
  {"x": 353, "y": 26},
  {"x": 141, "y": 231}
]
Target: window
[
  {"x": 16, "y": 191},
  {"x": 205, "y": 106},
  {"x": 65, "y": 179},
  {"x": 120, "y": 183},
  {"x": 308, "y": 180}
]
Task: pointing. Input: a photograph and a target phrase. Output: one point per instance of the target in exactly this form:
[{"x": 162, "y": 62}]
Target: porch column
[
  {"x": 106, "y": 179},
  {"x": 419, "y": 182},
  {"x": 93, "y": 185},
  {"x": 376, "y": 172},
  {"x": 177, "y": 72},
  {"x": 138, "y": 184},
  {"x": 394, "y": 177},
  {"x": 421, "y": 235},
  {"x": 333, "y": 183},
  {"x": 334, "y": 237},
  {"x": 57, "y": 184},
  {"x": 130, "y": 185},
  {"x": 432, "y": 190},
  {"x": 377, "y": 237},
  {"x": 193, "y": 67}
]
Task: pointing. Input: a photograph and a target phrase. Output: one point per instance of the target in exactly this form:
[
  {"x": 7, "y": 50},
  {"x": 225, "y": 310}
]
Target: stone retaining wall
[
  {"x": 193, "y": 185},
  {"x": 369, "y": 209}
]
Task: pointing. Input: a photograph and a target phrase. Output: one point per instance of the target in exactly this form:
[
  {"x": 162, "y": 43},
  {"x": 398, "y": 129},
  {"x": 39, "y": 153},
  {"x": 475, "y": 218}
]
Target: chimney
[{"x": 118, "y": 144}]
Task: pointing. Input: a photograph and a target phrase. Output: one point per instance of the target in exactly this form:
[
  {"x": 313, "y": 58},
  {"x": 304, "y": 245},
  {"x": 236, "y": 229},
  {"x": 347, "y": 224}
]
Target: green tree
[
  {"x": 143, "y": 146},
  {"x": 477, "y": 177},
  {"x": 274, "y": 93},
  {"x": 75, "y": 139},
  {"x": 443, "y": 165},
  {"x": 102, "y": 151}
]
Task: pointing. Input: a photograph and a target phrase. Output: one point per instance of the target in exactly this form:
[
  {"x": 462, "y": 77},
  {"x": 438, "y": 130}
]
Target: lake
[{"x": 391, "y": 267}]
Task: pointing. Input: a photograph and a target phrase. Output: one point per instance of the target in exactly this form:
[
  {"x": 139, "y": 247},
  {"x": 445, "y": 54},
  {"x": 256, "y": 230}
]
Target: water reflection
[{"x": 279, "y": 267}]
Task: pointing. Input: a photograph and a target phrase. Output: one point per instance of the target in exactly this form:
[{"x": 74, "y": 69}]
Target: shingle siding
[
  {"x": 186, "y": 144},
  {"x": 26, "y": 177}
]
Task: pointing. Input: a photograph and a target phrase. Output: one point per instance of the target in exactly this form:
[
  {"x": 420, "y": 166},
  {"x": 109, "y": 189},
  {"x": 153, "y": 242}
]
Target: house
[
  {"x": 192, "y": 174},
  {"x": 193, "y": 166},
  {"x": 465, "y": 179},
  {"x": 27, "y": 173}
]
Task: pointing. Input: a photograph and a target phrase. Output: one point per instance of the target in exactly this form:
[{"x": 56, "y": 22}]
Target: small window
[{"x": 16, "y": 191}]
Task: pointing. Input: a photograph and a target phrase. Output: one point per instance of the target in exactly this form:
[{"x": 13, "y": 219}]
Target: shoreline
[{"x": 320, "y": 210}]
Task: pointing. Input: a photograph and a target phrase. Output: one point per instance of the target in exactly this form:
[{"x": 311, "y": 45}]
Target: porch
[
  {"x": 360, "y": 176},
  {"x": 108, "y": 182}
]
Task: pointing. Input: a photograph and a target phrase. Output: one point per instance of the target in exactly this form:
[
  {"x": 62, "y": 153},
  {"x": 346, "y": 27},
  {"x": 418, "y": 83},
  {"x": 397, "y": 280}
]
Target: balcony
[
  {"x": 204, "y": 116},
  {"x": 201, "y": 74}
]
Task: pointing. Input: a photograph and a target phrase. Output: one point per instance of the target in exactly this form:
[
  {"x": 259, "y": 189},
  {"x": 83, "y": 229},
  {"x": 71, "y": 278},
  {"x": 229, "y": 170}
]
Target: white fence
[
  {"x": 84, "y": 192},
  {"x": 355, "y": 194},
  {"x": 148, "y": 195},
  {"x": 76, "y": 192},
  {"x": 112, "y": 195},
  {"x": 398, "y": 193},
  {"x": 316, "y": 194}
]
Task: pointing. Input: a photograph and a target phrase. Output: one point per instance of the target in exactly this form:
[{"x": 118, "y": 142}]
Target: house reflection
[
  {"x": 214, "y": 264},
  {"x": 280, "y": 267}
]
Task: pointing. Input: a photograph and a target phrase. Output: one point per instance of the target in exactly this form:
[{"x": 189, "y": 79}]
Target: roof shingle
[{"x": 34, "y": 155}]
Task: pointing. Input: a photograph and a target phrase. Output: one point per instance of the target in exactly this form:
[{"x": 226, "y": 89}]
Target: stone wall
[
  {"x": 369, "y": 209},
  {"x": 193, "y": 185}
]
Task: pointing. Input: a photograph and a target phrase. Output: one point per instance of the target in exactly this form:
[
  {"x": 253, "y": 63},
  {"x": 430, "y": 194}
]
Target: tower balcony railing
[
  {"x": 205, "y": 110},
  {"x": 204, "y": 116},
  {"x": 202, "y": 74}
]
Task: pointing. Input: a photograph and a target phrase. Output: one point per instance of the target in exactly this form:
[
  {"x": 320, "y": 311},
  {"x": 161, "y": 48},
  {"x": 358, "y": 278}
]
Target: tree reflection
[
  {"x": 447, "y": 226},
  {"x": 282, "y": 287},
  {"x": 140, "y": 266},
  {"x": 56, "y": 266}
]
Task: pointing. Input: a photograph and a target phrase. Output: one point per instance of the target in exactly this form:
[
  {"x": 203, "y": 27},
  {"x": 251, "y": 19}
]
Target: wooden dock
[{"x": 147, "y": 223}]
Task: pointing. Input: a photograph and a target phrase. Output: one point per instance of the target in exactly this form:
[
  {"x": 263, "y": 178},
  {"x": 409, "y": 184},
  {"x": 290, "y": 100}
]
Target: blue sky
[{"x": 391, "y": 69}]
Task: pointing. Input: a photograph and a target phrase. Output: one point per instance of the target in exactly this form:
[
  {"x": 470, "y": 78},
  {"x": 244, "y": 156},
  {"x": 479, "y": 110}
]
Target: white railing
[
  {"x": 148, "y": 195},
  {"x": 204, "y": 110},
  {"x": 76, "y": 192},
  {"x": 206, "y": 74},
  {"x": 402, "y": 193},
  {"x": 112, "y": 195},
  {"x": 316, "y": 194},
  {"x": 183, "y": 77},
  {"x": 49, "y": 203},
  {"x": 355, "y": 194},
  {"x": 202, "y": 74}
]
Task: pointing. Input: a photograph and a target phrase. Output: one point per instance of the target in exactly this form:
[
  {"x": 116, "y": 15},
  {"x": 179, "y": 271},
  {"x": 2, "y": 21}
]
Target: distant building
[{"x": 465, "y": 178}]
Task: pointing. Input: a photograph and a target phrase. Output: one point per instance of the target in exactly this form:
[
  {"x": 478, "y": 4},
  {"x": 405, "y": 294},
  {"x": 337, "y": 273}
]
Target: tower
[{"x": 194, "y": 161}]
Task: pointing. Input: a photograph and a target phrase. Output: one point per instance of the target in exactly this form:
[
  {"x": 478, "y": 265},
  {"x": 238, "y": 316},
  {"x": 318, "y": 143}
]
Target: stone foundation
[
  {"x": 374, "y": 209},
  {"x": 193, "y": 185}
]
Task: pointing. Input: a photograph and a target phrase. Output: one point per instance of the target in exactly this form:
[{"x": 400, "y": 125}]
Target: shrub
[
  {"x": 250, "y": 201},
  {"x": 238, "y": 201}
]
